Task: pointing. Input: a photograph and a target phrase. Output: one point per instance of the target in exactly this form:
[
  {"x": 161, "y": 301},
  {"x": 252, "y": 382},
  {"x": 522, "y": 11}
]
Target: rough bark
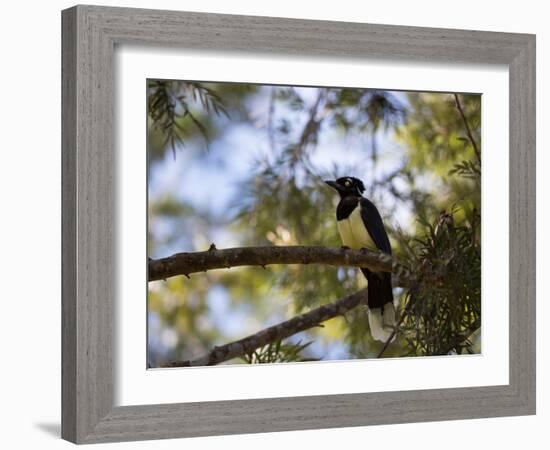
[{"x": 188, "y": 263}]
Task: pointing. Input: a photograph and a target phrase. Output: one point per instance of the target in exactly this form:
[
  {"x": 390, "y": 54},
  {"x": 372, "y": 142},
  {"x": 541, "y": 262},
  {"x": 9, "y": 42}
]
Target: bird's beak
[{"x": 332, "y": 184}]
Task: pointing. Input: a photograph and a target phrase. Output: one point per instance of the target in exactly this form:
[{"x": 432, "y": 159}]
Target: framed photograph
[
  {"x": 247, "y": 164},
  {"x": 277, "y": 224}
]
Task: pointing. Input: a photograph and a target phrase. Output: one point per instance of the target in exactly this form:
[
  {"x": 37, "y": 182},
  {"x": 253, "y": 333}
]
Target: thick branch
[
  {"x": 277, "y": 332},
  {"x": 188, "y": 263}
]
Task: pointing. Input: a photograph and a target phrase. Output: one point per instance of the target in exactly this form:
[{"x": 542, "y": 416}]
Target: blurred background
[{"x": 243, "y": 165}]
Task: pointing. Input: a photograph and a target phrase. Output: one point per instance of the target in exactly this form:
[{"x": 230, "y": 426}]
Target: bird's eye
[{"x": 347, "y": 183}]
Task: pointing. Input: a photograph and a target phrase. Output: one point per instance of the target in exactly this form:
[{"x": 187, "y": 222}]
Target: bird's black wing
[{"x": 374, "y": 225}]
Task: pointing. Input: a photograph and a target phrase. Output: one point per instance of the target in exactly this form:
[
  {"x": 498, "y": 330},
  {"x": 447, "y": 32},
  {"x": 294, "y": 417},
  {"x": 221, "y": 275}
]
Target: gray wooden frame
[{"x": 89, "y": 200}]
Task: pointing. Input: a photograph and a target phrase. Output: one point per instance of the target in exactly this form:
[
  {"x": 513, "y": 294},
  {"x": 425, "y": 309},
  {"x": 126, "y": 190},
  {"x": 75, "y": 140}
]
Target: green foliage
[
  {"x": 468, "y": 169},
  {"x": 444, "y": 309},
  {"x": 180, "y": 305},
  {"x": 366, "y": 111},
  {"x": 178, "y": 111},
  {"x": 435, "y": 133},
  {"x": 277, "y": 352},
  {"x": 169, "y": 107}
]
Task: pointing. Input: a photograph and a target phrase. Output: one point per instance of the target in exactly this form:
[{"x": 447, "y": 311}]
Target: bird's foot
[{"x": 345, "y": 247}]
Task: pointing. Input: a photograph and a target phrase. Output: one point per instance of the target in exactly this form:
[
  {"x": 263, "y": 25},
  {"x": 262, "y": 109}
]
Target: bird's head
[{"x": 347, "y": 186}]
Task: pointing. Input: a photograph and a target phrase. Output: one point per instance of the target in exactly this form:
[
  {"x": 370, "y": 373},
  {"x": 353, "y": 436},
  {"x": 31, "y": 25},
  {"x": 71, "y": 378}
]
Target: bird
[{"x": 361, "y": 227}]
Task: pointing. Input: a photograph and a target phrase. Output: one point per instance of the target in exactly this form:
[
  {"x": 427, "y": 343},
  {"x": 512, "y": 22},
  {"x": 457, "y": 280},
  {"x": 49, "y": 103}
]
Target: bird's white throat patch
[{"x": 353, "y": 232}]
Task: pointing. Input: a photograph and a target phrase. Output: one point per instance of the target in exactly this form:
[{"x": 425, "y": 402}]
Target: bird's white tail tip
[{"x": 381, "y": 325}]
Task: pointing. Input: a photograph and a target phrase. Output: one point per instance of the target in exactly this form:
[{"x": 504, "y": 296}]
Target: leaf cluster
[
  {"x": 278, "y": 352},
  {"x": 444, "y": 308},
  {"x": 174, "y": 105},
  {"x": 467, "y": 169}
]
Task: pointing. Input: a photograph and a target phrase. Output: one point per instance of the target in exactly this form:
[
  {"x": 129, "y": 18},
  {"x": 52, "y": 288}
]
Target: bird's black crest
[
  {"x": 354, "y": 182},
  {"x": 347, "y": 186}
]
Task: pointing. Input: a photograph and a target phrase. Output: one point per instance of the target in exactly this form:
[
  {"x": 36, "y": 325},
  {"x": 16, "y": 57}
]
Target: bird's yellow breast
[{"x": 353, "y": 232}]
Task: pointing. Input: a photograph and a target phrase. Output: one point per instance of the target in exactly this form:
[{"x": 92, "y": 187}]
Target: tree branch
[
  {"x": 188, "y": 263},
  {"x": 467, "y": 126},
  {"x": 395, "y": 329},
  {"x": 276, "y": 332}
]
